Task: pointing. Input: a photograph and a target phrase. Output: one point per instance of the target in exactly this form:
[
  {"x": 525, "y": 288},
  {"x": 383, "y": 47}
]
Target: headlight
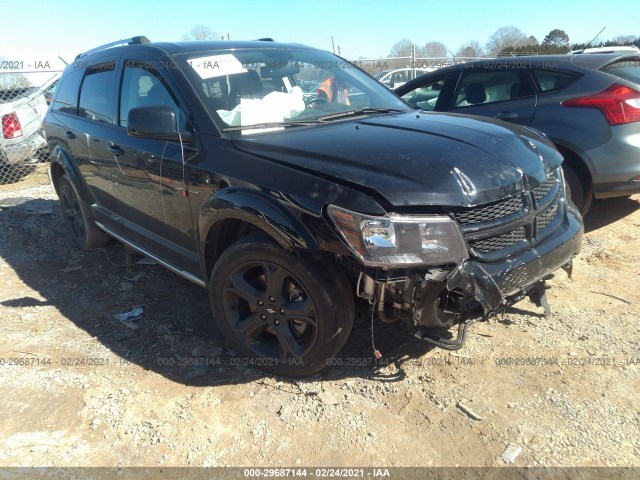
[{"x": 395, "y": 240}]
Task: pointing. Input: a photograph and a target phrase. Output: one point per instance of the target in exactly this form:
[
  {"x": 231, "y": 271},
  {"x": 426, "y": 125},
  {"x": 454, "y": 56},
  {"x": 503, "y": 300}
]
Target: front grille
[
  {"x": 543, "y": 190},
  {"x": 487, "y": 213},
  {"x": 484, "y": 226},
  {"x": 499, "y": 242},
  {"x": 546, "y": 217}
]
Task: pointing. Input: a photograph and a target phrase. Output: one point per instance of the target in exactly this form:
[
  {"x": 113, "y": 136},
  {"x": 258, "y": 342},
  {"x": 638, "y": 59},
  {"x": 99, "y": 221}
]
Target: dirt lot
[{"x": 80, "y": 388}]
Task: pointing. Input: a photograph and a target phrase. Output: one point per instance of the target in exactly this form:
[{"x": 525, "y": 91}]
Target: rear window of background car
[
  {"x": 626, "y": 69},
  {"x": 551, "y": 80}
]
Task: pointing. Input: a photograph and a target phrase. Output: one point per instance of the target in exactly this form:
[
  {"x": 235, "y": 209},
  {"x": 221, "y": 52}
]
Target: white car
[
  {"x": 22, "y": 111},
  {"x": 613, "y": 49},
  {"x": 399, "y": 76}
]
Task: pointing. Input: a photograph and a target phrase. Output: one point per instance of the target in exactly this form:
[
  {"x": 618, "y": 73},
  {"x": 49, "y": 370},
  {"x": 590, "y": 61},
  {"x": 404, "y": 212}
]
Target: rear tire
[
  {"x": 76, "y": 213},
  {"x": 287, "y": 317}
]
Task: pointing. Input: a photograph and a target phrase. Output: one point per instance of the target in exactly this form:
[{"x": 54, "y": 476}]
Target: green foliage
[
  {"x": 627, "y": 41},
  {"x": 556, "y": 37},
  {"x": 533, "y": 50}
]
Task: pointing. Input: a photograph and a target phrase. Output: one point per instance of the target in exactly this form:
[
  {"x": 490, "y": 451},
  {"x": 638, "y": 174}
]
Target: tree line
[{"x": 508, "y": 40}]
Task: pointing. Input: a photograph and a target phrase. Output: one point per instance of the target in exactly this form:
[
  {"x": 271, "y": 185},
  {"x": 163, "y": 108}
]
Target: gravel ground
[{"x": 80, "y": 388}]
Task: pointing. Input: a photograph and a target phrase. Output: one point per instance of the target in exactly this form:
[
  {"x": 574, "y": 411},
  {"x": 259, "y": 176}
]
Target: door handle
[
  {"x": 507, "y": 115},
  {"x": 116, "y": 150},
  {"x": 69, "y": 134}
]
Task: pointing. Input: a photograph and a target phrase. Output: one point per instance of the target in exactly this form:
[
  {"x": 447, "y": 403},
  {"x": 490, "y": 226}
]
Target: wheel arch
[
  {"x": 577, "y": 162},
  {"x": 232, "y": 213},
  {"x": 61, "y": 164}
]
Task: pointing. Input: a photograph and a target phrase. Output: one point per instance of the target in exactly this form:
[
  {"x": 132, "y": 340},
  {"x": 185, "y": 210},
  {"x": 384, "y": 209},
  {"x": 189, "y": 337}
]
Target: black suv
[{"x": 289, "y": 203}]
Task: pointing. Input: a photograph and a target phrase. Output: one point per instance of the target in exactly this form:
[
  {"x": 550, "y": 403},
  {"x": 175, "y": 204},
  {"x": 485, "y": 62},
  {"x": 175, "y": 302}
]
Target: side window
[
  {"x": 490, "y": 86},
  {"x": 426, "y": 96},
  {"x": 142, "y": 87},
  {"x": 64, "y": 96},
  {"x": 96, "y": 93},
  {"x": 551, "y": 80}
]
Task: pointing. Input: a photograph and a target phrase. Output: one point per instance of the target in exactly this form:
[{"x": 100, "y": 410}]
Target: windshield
[{"x": 280, "y": 87}]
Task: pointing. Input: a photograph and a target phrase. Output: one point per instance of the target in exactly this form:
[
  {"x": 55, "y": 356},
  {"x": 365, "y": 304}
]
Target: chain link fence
[{"x": 25, "y": 92}]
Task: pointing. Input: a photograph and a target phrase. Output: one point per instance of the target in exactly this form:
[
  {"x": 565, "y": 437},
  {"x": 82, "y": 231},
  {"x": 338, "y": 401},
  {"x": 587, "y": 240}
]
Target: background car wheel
[
  {"x": 578, "y": 193},
  {"x": 86, "y": 235},
  {"x": 289, "y": 317}
]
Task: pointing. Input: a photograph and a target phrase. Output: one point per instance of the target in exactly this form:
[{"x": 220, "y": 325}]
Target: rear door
[
  {"x": 96, "y": 117},
  {"x": 500, "y": 92}
]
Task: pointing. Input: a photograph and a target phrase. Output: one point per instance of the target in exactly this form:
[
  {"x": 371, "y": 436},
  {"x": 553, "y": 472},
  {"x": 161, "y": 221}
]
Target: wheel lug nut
[
  {"x": 263, "y": 316},
  {"x": 260, "y": 302},
  {"x": 277, "y": 322},
  {"x": 282, "y": 312},
  {"x": 271, "y": 299}
]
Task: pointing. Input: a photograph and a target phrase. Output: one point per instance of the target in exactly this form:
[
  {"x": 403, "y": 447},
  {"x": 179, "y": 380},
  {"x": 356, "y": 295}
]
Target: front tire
[
  {"x": 577, "y": 190},
  {"x": 288, "y": 317},
  {"x": 85, "y": 233}
]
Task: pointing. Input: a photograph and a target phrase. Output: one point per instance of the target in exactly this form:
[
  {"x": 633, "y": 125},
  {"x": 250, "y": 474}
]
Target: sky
[{"x": 43, "y": 30}]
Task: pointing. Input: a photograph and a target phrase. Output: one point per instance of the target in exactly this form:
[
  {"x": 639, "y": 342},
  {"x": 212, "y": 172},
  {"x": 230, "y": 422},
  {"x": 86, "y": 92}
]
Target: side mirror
[{"x": 157, "y": 122}]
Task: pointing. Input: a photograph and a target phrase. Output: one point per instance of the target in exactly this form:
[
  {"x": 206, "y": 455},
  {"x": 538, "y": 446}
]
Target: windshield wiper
[
  {"x": 362, "y": 111},
  {"x": 259, "y": 126}
]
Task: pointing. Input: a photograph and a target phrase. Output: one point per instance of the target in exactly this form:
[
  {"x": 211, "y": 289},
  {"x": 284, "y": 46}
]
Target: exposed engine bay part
[
  {"x": 462, "y": 295},
  {"x": 538, "y": 296},
  {"x": 369, "y": 287},
  {"x": 455, "y": 344}
]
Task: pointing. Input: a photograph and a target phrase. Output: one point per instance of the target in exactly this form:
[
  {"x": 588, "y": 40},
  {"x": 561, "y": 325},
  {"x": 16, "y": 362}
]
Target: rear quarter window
[
  {"x": 552, "y": 80},
  {"x": 626, "y": 69},
  {"x": 64, "y": 96}
]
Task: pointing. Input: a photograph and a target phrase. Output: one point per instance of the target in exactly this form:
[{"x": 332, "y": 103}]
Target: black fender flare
[
  {"x": 258, "y": 209},
  {"x": 59, "y": 157}
]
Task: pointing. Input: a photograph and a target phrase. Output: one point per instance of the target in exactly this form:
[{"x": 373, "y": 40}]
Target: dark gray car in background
[{"x": 588, "y": 105}]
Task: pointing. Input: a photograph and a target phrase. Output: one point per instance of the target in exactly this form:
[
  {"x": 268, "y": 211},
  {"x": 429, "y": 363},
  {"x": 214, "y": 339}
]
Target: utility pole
[
  {"x": 339, "y": 54},
  {"x": 333, "y": 45}
]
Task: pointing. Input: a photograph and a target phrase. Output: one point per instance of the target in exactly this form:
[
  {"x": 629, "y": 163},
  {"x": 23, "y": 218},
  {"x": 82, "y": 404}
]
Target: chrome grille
[{"x": 499, "y": 242}]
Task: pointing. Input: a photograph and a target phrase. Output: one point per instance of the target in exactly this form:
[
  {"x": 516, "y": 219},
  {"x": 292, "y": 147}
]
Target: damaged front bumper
[{"x": 498, "y": 284}]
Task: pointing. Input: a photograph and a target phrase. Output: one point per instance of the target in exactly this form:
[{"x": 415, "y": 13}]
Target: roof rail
[
  {"x": 139, "y": 40},
  {"x": 266, "y": 39}
]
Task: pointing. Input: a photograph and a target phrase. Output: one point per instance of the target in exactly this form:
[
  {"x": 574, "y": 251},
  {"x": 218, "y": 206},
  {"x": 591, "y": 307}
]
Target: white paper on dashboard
[{"x": 216, "y": 66}]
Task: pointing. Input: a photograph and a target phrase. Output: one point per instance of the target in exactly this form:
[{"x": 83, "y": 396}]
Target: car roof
[
  {"x": 593, "y": 62},
  {"x": 141, "y": 44}
]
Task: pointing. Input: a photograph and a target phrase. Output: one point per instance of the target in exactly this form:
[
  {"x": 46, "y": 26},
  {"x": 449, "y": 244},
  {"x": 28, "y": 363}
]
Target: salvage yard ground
[{"x": 81, "y": 388}]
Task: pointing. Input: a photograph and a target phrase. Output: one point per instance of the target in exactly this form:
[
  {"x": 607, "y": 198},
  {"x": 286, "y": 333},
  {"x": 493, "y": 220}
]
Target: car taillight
[
  {"x": 618, "y": 103},
  {"x": 11, "y": 127}
]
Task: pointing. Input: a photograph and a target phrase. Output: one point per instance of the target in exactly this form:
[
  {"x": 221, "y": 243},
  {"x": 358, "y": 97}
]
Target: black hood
[{"x": 414, "y": 159}]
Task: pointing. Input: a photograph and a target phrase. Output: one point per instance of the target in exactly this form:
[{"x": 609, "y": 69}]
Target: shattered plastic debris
[
  {"x": 127, "y": 317},
  {"x": 510, "y": 453},
  {"x": 131, "y": 315}
]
